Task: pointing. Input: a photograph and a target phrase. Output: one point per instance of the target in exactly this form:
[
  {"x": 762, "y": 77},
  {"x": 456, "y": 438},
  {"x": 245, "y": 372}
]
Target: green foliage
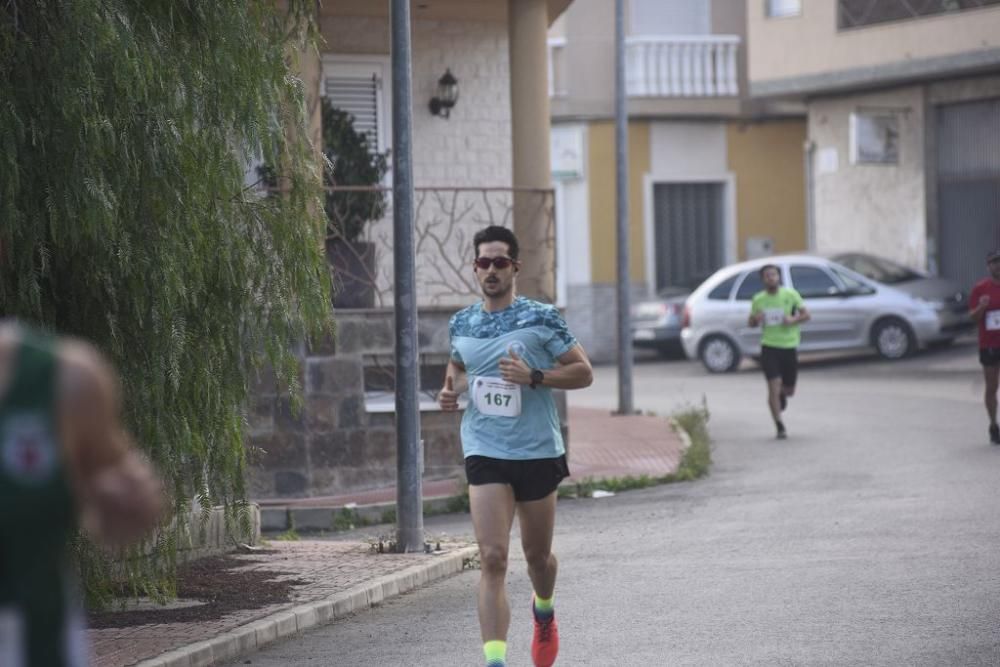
[
  {"x": 458, "y": 504},
  {"x": 586, "y": 487},
  {"x": 348, "y": 519},
  {"x": 350, "y": 162},
  {"x": 126, "y": 219},
  {"x": 697, "y": 459},
  {"x": 290, "y": 535}
]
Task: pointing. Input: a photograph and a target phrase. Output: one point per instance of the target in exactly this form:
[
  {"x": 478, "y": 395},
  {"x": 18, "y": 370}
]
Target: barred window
[{"x": 861, "y": 13}]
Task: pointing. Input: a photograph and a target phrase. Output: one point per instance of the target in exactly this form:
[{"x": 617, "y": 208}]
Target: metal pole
[
  {"x": 621, "y": 193},
  {"x": 808, "y": 155},
  {"x": 409, "y": 449}
]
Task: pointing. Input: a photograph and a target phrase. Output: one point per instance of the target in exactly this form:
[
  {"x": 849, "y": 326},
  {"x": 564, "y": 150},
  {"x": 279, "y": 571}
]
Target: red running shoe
[{"x": 545, "y": 642}]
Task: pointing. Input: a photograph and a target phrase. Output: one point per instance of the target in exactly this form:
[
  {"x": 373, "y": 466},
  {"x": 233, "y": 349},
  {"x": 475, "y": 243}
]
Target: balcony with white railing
[{"x": 682, "y": 66}]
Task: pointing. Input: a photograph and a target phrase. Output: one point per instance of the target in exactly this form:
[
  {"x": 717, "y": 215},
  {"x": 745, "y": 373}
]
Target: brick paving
[
  {"x": 326, "y": 567},
  {"x": 601, "y": 446}
]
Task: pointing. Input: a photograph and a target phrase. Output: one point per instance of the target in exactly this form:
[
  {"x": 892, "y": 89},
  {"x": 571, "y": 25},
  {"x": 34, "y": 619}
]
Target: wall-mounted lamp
[{"x": 447, "y": 95}]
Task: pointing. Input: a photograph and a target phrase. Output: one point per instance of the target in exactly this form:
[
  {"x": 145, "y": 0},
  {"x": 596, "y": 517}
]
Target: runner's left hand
[{"x": 515, "y": 369}]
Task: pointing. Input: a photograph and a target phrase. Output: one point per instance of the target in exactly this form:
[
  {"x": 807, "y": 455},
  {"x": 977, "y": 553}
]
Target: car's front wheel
[
  {"x": 893, "y": 338},
  {"x": 719, "y": 354}
]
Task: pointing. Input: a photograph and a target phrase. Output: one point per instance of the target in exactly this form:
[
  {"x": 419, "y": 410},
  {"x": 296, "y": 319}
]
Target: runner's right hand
[
  {"x": 448, "y": 397},
  {"x": 984, "y": 300}
]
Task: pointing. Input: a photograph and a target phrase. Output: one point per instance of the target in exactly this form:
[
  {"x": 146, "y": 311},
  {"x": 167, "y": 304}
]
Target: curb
[
  {"x": 681, "y": 433},
  {"x": 323, "y": 517},
  {"x": 258, "y": 634}
]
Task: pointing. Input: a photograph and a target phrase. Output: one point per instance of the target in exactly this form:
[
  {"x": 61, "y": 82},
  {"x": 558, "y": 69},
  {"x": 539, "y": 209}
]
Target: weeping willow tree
[{"x": 125, "y": 217}]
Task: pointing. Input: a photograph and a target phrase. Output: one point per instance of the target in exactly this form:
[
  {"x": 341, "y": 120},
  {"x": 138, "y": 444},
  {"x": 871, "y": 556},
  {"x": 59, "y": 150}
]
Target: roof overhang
[{"x": 901, "y": 73}]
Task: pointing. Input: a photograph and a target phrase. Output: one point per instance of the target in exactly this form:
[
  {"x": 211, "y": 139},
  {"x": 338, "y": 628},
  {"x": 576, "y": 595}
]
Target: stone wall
[
  {"x": 592, "y": 316},
  {"x": 343, "y": 438}
]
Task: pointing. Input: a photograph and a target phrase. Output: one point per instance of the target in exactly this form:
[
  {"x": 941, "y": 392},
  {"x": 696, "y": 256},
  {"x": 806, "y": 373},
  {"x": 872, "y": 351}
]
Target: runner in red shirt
[{"x": 984, "y": 308}]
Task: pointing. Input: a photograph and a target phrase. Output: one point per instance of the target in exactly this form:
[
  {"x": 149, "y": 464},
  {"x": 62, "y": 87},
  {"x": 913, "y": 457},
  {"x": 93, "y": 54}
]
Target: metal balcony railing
[{"x": 682, "y": 66}]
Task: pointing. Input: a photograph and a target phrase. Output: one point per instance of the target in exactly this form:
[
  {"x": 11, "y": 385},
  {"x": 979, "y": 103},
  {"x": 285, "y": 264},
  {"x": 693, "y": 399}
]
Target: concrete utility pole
[
  {"x": 409, "y": 448},
  {"x": 621, "y": 193}
]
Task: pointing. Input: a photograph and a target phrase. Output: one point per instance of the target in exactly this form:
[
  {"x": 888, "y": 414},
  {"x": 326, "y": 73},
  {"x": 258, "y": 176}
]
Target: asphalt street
[{"x": 870, "y": 537}]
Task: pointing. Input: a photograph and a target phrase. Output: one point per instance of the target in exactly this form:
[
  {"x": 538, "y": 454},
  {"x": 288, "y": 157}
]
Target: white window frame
[
  {"x": 781, "y": 9},
  {"x": 729, "y": 236},
  {"x": 343, "y": 65},
  {"x": 557, "y": 45},
  {"x": 888, "y": 117},
  {"x": 633, "y": 30}
]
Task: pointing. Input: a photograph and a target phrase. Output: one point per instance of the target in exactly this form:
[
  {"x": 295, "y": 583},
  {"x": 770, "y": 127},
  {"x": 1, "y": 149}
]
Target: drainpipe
[{"x": 808, "y": 152}]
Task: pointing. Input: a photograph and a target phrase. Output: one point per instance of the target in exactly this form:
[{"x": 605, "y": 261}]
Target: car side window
[
  {"x": 751, "y": 285},
  {"x": 851, "y": 283},
  {"x": 813, "y": 282},
  {"x": 860, "y": 264},
  {"x": 722, "y": 291}
]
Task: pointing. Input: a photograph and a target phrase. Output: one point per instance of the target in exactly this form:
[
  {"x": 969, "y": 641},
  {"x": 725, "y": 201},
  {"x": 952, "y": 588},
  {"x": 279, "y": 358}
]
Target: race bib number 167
[{"x": 496, "y": 397}]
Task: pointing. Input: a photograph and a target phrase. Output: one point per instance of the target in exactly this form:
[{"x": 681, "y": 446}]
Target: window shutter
[{"x": 357, "y": 96}]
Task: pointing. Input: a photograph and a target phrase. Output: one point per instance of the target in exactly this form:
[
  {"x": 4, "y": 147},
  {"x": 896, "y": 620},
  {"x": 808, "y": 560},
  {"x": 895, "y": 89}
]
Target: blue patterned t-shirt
[{"x": 479, "y": 339}]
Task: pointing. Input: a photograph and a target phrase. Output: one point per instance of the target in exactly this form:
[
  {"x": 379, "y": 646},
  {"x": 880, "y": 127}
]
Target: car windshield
[{"x": 880, "y": 269}]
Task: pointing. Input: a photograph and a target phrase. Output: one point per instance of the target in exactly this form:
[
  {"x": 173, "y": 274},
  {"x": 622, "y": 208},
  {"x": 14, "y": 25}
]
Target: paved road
[{"x": 870, "y": 537}]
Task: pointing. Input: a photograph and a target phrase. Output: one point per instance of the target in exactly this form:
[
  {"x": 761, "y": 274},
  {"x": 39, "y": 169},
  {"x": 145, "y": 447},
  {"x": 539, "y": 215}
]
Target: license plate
[{"x": 644, "y": 334}]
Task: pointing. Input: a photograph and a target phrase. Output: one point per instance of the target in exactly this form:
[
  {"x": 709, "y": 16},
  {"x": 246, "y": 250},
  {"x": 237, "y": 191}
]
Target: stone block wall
[
  {"x": 342, "y": 439},
  {"x": 592, "y": 316}
]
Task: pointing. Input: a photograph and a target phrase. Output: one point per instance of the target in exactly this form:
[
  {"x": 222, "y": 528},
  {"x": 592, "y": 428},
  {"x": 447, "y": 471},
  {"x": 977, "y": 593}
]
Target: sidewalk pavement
[{"x": 339, "y": 578}]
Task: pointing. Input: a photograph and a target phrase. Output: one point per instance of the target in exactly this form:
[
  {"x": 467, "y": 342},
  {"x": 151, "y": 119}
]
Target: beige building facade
[
  {"x": 486, "y": 162},
  {"x": 903, "y": 108},
  {"x": 714, "y": 176}
]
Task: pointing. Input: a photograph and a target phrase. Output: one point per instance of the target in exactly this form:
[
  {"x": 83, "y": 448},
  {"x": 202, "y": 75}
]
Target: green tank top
[{"x": 37, "y": 625}]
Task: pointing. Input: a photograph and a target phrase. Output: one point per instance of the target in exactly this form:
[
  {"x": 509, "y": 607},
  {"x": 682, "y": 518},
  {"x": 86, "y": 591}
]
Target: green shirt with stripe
[
  {"x": 37, "y": 516},
  {"x": 773, "y": 307}
]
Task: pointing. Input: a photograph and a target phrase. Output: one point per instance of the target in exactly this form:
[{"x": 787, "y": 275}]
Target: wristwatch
[{"x": 536, "y": 377}]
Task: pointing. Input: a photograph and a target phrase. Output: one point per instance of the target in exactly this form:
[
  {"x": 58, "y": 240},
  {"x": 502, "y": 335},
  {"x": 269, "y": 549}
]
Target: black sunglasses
[{"x": 501, "y": 263}]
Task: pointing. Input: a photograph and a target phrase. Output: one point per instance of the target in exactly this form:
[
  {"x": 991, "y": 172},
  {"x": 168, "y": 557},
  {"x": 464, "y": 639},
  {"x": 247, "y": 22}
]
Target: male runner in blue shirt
[{"x": 509, "y": 352}]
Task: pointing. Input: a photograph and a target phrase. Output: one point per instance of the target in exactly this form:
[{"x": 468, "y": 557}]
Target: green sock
[
  {"x": 543, "y": 605},
  {"x": 495, "y": 652}
]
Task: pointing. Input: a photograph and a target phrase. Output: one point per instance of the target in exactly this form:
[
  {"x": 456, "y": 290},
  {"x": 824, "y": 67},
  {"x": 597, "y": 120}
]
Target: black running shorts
[
  {"x": 989, "y": 356},
  {"x": 780, "y": 362},
  {"x": 531, "y": 479}
]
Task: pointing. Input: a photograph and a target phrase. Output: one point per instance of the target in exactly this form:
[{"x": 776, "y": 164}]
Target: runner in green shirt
[
  {"x": 780, "y": 310},
  {"x": 65, "y": 460}
]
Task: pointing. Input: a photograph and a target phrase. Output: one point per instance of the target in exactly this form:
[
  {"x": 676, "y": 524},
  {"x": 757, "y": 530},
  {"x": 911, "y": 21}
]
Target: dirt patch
[{"x": 222, "y": 583}]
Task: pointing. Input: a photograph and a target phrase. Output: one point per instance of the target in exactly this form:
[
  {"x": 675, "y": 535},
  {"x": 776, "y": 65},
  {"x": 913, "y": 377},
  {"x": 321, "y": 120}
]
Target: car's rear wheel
[
  {"x": 893, "y": 338},
  {"x": 719, "y": 354}
]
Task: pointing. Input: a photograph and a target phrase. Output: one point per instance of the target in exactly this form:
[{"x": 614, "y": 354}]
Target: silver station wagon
[{"x": 848, "y": 311}]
